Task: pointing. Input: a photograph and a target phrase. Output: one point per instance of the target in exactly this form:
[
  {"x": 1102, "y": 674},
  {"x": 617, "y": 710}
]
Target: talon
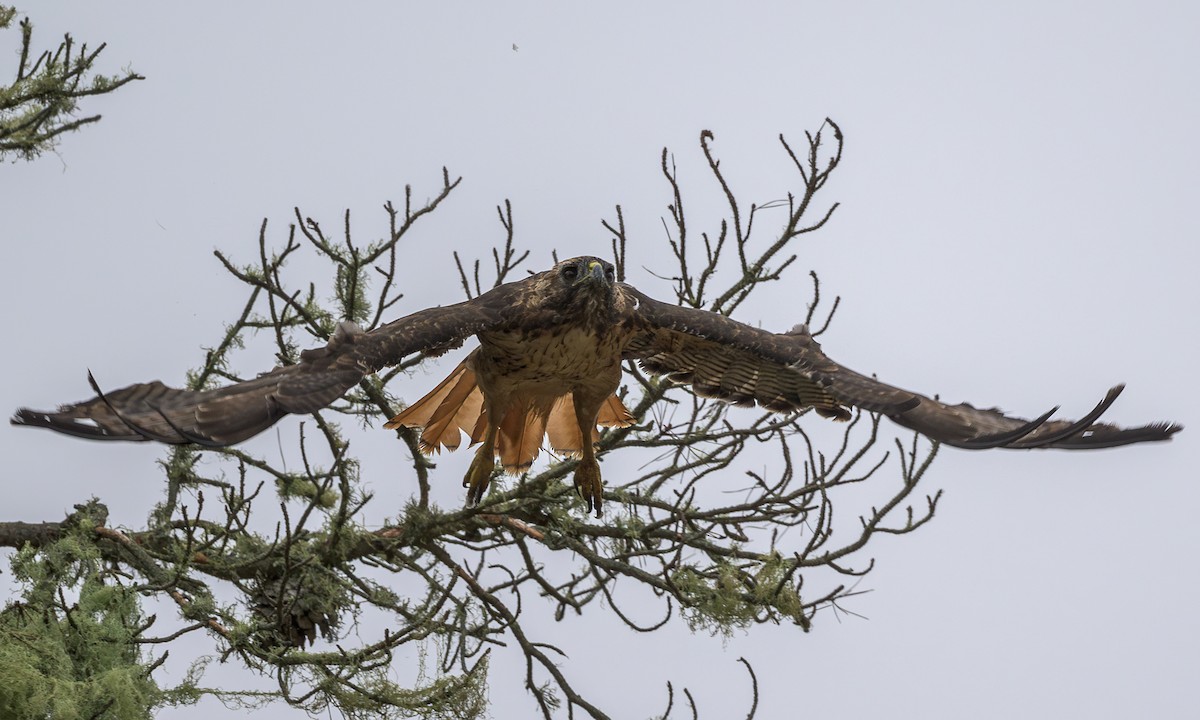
[
  {"x": 589, "y": 485},
  {"x": 478, "y": 477}
]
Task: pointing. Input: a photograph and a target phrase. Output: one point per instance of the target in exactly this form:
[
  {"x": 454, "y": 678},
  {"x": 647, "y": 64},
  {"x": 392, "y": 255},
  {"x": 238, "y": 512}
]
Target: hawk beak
[{"x": 596, "y": 272}]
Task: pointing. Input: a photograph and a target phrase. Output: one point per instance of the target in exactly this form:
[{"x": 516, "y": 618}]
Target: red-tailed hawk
[{"x": 548, "y": 365}]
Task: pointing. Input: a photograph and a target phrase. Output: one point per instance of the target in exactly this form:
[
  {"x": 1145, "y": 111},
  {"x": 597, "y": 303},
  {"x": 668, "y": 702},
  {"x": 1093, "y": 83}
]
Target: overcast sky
[{"x": 1018, "y": 227}]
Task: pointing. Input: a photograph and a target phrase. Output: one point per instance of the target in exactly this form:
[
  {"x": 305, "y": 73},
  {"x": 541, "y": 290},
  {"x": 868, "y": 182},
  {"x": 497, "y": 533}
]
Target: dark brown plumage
[{"x": 549, "y": 363}]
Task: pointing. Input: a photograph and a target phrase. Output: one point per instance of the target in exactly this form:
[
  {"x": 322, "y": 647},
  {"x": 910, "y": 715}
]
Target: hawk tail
[
  {"x": 456, "y": 406},
  {"x": 453, "y": 407}
]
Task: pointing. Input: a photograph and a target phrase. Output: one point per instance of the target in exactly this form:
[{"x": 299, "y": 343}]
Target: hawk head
[
  {"x": 586, "y": 274},
  {"x": 584, "y": 288}
]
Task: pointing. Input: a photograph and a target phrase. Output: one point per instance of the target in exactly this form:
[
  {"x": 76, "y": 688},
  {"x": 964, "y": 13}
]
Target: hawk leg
[
  {"x": 588, "y": 482},
  {"x": 479, "y": 475},
  {"x": 587, "y": 475}
]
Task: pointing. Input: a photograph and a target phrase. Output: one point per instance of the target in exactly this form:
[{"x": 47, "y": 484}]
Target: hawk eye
[{"x": 570, "y": 272}]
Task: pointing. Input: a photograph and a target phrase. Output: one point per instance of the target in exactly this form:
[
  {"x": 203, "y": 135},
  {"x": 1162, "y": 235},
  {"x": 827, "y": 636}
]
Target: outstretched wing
[
  {"x": 230, "y": 414},
  {"x": 737, "y": 363}
]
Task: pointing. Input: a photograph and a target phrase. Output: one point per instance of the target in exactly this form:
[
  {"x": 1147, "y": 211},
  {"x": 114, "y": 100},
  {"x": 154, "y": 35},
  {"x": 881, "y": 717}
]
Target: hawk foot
[
  {"x": 478, "y": 477},
  {"x": 589, "y": 484}
]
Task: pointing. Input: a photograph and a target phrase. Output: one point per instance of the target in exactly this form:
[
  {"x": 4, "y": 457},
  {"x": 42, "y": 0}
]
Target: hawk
[{"x": 551, "y": 348}]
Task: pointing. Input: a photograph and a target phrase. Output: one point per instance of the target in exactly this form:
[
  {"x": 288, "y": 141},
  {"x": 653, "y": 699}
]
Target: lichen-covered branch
[
  {"x": 276, "y": 565},
  {"x": 41, "y": 103}
]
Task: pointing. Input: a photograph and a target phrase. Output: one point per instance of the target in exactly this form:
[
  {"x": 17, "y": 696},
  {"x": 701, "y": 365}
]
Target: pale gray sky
[{"x": 1017, "y": 227}]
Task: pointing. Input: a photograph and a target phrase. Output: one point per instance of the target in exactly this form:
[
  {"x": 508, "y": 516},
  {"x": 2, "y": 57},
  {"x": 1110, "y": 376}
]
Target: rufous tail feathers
[{"x": 455, "y": 406}]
